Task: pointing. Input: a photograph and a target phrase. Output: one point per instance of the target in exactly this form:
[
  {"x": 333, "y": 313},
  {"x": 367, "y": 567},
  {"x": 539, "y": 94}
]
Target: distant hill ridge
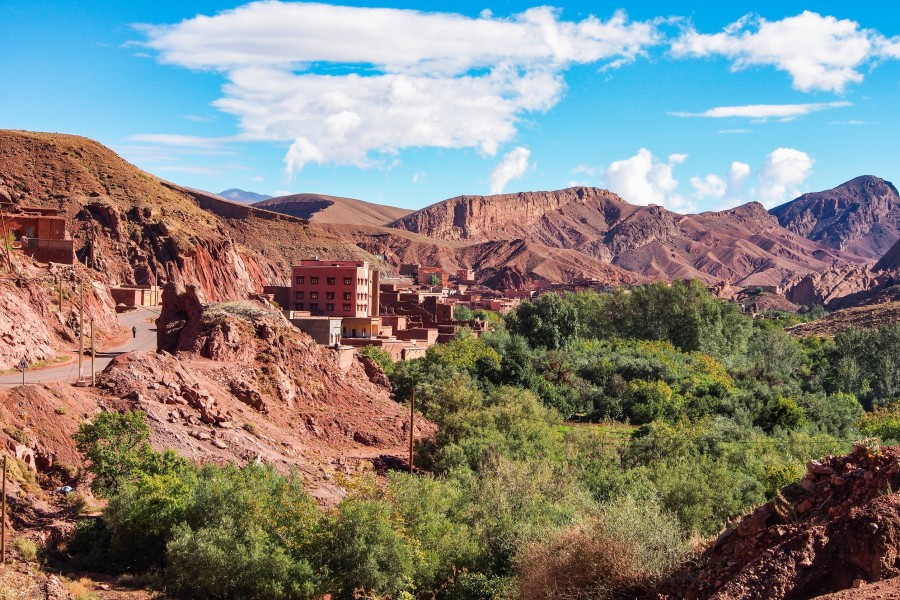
[
  {"x": 238, "y": 195},
  {"x": 319, "y": 208}
]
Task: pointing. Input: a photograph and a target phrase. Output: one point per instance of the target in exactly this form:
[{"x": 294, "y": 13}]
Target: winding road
[{"x": 142, "y": 319}]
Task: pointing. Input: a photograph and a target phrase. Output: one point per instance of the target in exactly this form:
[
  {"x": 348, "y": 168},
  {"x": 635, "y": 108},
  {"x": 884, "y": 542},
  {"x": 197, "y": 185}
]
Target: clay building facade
[
  {"x": 39, "y": 233},
  {"x": 331, "y": 288}
]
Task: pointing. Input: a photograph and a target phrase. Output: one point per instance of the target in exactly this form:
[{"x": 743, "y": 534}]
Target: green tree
[
  {"x": 434, "y": 280},
  {"x": 462, "y": 313},
  {"x": 781, "y": 413},
  {"x": 548, "y": 322},
  {"x": 380, "y": 356},
  {"x": 117, "y": 446}
]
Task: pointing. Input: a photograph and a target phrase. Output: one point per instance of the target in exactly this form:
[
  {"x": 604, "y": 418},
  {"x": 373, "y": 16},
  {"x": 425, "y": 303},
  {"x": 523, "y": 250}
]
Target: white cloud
[
  {"x": 763, "y": 111},
  {"x": 782, "y": 172},
  {"x": 399, "y": 78},
  {"x": 644, "y": 179},
  {"x": 737, "y": 175},
  {"x": 584, "y": 170},
  {"x": 513, "y": 166},
  {"x": 418, "y": 176},
  {"x": 711, "y": 186},
  {"x": 818, "y": 52}
]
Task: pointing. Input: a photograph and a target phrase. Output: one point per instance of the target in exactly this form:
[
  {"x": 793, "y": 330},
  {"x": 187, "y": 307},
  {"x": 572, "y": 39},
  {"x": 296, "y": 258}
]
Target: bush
[
  {"x": 882, "y": 423},
  {"x": 380, "y": 356},
  {"x": 631, "y": 545}
]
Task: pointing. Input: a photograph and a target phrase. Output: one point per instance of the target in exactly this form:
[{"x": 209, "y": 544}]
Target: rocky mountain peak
[{"x": 860, "y": 217}]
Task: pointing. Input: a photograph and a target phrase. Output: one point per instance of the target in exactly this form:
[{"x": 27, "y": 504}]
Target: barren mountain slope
[
  {"x": 318, "y": 208},
  {"x": 503, "y": 264},
  {"x": 860, "y": 217},
  {"x": 745, "y": 244},
  {"x": 146, "y": 230},
  {"x": 890, "y": 261}
]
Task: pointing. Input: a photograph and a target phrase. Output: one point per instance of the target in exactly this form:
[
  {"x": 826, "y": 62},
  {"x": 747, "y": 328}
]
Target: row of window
[
  {"x": 329, "y": 307},
  {"x": 314, "y": 306},
  {"x": 301, "y": 279},
  {"x": 299, "y": 295}
]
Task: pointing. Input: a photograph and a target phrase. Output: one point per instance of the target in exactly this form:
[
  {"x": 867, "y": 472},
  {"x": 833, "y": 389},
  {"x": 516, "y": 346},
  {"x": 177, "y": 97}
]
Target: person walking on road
[{"x": 134, "y": 331}]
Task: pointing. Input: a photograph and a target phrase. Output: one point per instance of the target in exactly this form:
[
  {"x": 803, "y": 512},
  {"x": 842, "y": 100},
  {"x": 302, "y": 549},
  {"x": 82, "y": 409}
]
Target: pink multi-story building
[{"x": 334, "y": 288}]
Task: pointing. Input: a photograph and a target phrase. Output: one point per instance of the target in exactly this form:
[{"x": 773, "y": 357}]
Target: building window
[
  {"x": 346, "y": 308},
  {"x": 314, "y": 295},
  {"x": 314, "y": 280},
  {"x": 313, "y": 306},
  {"x": 299, "y": 295},
  {"x": 346, "y": 295},
  {"x": 330, "y": 281},
  {"x": 299, "y": 306},
  {"x": 329, "y": 307},
  {"x": 301, "y": 280},
  {"x": 346, "y": 281},
  {"x": 329, "y": 295}
]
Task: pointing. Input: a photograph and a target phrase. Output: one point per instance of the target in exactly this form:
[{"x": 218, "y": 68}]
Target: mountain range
[{"x": 152, "y": 230}]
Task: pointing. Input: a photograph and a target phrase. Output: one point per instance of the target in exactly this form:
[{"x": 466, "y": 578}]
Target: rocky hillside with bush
[{"x": 141, "y": 229}]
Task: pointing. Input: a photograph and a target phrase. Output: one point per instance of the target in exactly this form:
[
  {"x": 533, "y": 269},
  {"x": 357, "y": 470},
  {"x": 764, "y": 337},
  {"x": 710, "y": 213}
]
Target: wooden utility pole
[
  {"x": 6, "y": 240},
  {"x": 412, "y": 428},
  {"x": 81, "y": 332},
  {"x": 3, "y": 517},
  {"x": 93, "y": 356}
]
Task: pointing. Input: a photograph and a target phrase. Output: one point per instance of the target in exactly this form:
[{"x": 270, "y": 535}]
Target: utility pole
[
  {"x": 3, "y": 517},
  {"x": 93, "y": 356},
  {"x": 412, "y": 421},
  {"x": 6, "y": 240},
  {"x": 81, "y": 332}
]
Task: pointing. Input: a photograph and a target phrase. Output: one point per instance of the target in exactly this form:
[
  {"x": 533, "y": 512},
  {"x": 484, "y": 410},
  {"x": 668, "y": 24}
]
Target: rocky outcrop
[
  {"x": 318, "y": 208},
  {"x": 840, "y": 524},
  {"x": 860, "y": 217},
  {"x": 842, "y": 287}
]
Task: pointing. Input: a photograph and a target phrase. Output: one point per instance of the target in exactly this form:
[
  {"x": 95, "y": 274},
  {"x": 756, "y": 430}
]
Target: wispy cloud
[
  {"x": 404, "y": 78},
  {"x": 851, "y": 122},
  {"x": 177, "y": 140},
  {"x": 513, "y": 166},
  {"x": 763, "y": 111}
]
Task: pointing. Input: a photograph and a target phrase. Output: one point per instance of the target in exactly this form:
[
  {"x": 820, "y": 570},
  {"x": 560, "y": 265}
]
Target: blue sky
[{"x": 696, "y": 106}]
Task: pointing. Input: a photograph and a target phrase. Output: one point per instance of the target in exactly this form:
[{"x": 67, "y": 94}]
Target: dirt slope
[
  {"x": 318, "y": 208},
  {"x": 865, "y": 317},
  {"x": 890, "y": 261},
  {"x": 860, "y": 217}
]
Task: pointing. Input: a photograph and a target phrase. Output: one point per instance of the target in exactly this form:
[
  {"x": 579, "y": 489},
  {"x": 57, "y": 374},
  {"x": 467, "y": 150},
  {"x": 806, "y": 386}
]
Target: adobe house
[{"x": 39, "y": 233}]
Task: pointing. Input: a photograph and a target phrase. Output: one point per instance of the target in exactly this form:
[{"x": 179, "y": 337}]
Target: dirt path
[{"x": 142, "y": 319}]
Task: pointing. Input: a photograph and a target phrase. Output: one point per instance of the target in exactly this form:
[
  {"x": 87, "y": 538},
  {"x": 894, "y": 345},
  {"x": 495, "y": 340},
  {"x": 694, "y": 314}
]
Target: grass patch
[{"x": 26, "y": 548}]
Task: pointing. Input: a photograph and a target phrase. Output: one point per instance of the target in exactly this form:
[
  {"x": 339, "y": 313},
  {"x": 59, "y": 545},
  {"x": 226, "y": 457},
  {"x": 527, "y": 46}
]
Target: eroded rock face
[
  {"x": 861, "y": 216},
  {"x": 838, "y": 525},
  {"x": 840, "y": 287},
  {"x": 181, "y": 306}
]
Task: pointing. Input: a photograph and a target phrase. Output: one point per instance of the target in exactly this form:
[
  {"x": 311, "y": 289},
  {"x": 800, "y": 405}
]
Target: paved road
[{"x": 142, "y": 318}]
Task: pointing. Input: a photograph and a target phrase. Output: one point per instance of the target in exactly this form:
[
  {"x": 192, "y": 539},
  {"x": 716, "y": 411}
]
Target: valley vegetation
[{"x": 585, "y": 447}]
